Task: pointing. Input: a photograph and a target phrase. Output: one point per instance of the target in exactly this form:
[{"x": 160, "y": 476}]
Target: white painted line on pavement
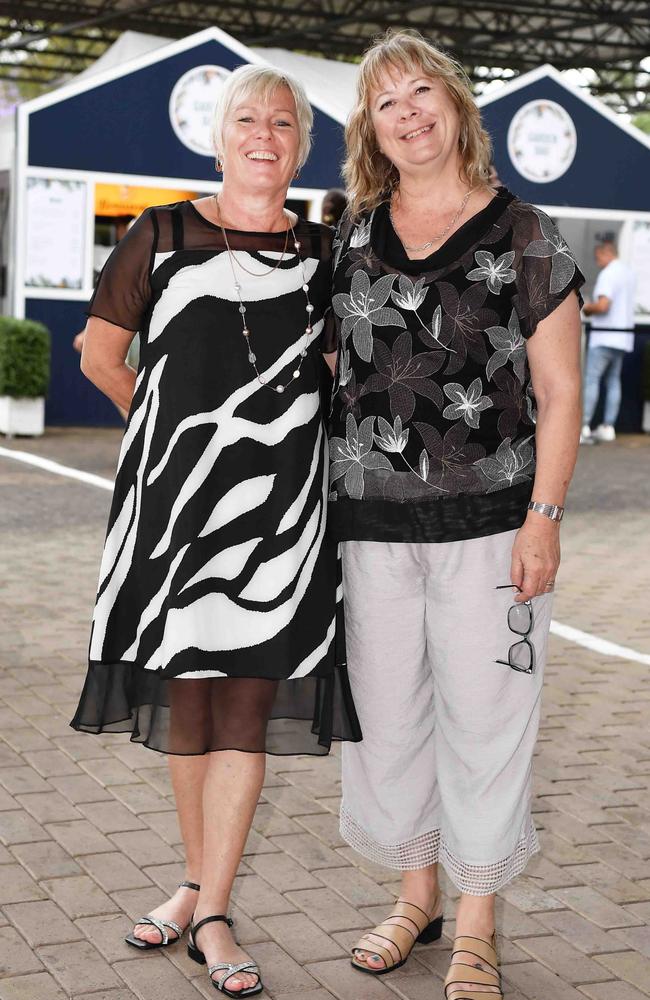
[
  {"x": 575, "y": 635},
  {"x": 60, "y": 470},
  {"x": 598, "y": 645}
]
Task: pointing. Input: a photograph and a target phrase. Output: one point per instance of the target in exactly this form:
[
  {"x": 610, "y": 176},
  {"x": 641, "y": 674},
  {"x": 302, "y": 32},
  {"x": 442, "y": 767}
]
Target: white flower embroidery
[
  {"x": 497, "y": 272},
  {"x": 466, "y": 404},
  {"x": 361, "y": 235},
  {"x": 352, "y": 456},
  {"x": 509, "y": 344},
  {"x": 392, "y": 439},
  {"x": 509, "y": 465},
  {"x": 553, "y": 245},
  {"x": 411, "y": 294},
  {"x": 364, "y": 308},
  {"x": 345, "y": 372}
]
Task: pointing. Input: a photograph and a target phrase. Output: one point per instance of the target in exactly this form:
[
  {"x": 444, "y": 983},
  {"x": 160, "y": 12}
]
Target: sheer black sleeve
[
  {"x": 547, "y": 271},
  {"x": 123, "y": 292}
]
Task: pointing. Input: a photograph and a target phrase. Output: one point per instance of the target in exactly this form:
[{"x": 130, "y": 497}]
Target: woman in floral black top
[{"x": 452, "y": 302}]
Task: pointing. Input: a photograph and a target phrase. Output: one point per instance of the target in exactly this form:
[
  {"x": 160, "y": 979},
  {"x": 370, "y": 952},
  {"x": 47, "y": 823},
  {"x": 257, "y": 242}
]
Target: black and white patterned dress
[{"x": 219, "y": 603}]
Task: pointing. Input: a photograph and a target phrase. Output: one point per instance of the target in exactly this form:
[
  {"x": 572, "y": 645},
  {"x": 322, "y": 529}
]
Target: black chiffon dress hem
[{"x": 125, "y": 698}]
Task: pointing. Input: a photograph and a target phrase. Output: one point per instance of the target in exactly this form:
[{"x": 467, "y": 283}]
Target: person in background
[
  {"x": 334, "y": 205},
  {"x": 612, "y": 337}
]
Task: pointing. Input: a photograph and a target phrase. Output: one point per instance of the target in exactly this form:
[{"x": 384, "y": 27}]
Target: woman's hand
[{"x": 535, "y": 557}]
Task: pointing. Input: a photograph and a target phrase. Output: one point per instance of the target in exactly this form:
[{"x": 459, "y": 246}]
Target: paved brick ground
[{"x": 89, "y": 839}]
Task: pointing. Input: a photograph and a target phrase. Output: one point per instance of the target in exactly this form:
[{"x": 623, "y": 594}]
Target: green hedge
[{"x": 24, "y": 358}]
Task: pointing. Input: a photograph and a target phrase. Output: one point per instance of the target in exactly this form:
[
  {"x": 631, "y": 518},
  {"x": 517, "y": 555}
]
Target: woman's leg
[
  {"x": 613, "y": 387},
  {"x": 189, "y": 726},
  {"x": 487, "y": 718},
  {"x": 187, "y": 774},
  {"x": 389, "y": 795},
  {"x": 595, "y": 367},
  {"x": 231, "y": 791}
]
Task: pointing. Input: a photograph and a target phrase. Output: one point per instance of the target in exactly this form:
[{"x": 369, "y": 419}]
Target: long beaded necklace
[
  {"x": 252, "y": 358},
  {"x": 440, "y": 236}
]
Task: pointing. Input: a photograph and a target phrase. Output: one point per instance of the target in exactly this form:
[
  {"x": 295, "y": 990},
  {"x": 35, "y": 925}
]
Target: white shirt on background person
[{"x": 618, "y": 283}]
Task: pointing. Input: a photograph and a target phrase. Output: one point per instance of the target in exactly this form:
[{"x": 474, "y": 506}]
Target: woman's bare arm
[
  {"x": 554, "y": 358},
  {"x": 103, "y": 361}
]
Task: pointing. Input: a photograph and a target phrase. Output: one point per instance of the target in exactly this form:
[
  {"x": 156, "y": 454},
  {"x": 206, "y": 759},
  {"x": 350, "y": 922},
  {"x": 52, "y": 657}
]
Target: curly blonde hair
[{"x": 370, "y": 176}]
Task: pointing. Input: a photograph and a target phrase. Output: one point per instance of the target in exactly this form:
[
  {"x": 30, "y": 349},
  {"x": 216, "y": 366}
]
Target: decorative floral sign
[{"x": 542, "y": 141}]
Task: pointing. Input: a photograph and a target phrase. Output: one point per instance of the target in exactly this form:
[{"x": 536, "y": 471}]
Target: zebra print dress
[{"x": 218, "y": 621}]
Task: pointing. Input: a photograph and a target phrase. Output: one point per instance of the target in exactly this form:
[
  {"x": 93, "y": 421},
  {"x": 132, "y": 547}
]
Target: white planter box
[
  {"x": 22, "y": 416},
  {"x": 645, "y": 425}
]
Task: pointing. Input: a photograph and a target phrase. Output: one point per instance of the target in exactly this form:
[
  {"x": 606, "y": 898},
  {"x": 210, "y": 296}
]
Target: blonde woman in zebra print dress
[{"x": 216, "y": 632}]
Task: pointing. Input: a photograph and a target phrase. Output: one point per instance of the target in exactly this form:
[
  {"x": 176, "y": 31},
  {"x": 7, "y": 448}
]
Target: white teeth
[
  {"x": 261, "y": 155},
  {"x": 419, "y": 131}
]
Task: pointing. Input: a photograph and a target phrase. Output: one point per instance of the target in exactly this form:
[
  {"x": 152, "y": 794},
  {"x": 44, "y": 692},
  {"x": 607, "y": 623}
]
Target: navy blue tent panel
[
  {"x": 123, "y": 126},
  {"x": 610, "y": 169},
  {"x": 73, "y": 399}
]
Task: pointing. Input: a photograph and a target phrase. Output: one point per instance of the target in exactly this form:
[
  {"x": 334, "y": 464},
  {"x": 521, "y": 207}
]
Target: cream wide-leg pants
[{"x": 444, "y": 769}]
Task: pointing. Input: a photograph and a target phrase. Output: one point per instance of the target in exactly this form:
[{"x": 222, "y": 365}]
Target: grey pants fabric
[{"x": 444, "y": 769}]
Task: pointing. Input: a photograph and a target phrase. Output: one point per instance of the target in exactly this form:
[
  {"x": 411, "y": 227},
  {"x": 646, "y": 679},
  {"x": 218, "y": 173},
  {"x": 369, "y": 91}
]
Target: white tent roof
[{"x": 320, "y": 77}]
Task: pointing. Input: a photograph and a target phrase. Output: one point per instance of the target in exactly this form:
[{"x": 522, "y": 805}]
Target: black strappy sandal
[
  {"x": 162, "y": 926},
  {"x": 227, "y": 968}
]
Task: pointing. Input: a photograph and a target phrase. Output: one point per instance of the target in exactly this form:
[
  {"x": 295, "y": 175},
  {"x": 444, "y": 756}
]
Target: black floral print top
[{"x": 433, "y": 411}]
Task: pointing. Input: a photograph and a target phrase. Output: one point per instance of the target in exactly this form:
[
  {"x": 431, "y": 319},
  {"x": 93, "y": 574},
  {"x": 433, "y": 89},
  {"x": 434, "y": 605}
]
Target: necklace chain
[
  {"x": 440, "y": 236},
  {"x": 246, "y": 333},
  {"x": 254, "y": 274}
]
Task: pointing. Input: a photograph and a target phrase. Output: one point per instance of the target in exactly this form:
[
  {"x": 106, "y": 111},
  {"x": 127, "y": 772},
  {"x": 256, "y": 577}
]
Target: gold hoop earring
[
  {"x": 297, "y": 174},
  {"x": 218, "y": 165}
]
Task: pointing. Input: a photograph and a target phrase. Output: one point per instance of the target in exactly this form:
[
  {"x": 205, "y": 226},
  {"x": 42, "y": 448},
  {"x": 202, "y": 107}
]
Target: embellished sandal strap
[
  {"x": 189, "y": 885},
  {"x": 232, "y": 970},
  {"x": 161, "y": 926}
]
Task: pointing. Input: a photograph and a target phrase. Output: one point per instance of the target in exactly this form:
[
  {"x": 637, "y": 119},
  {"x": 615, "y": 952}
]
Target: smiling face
[
  {"x": 261, "y": 141},
  {"x": 415, "y": 120}
]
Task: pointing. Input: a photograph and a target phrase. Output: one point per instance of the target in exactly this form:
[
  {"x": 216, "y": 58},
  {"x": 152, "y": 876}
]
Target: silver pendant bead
[
  {"x": 303, "y": 354},
  {"x": 242, "y": 309},
  {"x": 308, "y": 330},
  {"x": 252, "y": 358},
  {"x": 305, "y": 288},
  {"x": 296, "y": 374},
  {"x": 280, "y": 388},
  {"x": 309, "y": 308}
]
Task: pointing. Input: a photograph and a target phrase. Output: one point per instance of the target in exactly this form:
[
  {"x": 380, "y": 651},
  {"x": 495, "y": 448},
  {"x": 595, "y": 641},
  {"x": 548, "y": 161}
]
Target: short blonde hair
[
  {"x": 370, "y": 176},
  {"x": 261, "y": 82}
]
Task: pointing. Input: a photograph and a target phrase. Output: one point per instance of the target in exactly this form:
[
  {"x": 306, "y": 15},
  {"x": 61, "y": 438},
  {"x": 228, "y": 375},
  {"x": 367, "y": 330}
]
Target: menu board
[
  {"x": 639, "y": 260},
  {"x": 56, "y": 228}
]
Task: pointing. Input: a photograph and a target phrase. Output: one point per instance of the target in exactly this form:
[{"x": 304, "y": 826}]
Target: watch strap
[{"x": 551, "y": 510}]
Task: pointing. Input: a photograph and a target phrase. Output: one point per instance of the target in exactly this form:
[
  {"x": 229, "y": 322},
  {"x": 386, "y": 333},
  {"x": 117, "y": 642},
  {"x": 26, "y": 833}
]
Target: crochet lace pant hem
[{"x": 429, "y": 848}]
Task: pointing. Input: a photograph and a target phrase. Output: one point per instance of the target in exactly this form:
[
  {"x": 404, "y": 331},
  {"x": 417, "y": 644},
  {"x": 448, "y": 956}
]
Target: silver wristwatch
[{"x": 551, "y": 510}]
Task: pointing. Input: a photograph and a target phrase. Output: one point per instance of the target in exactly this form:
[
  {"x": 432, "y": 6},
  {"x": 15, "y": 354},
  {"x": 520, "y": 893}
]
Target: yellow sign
[{"x": 122, "y": 199}]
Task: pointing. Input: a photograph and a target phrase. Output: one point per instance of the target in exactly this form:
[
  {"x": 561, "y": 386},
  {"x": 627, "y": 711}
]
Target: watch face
[
  {"x": 542, "y": 141},
  {"x": 191, "y": 106}
]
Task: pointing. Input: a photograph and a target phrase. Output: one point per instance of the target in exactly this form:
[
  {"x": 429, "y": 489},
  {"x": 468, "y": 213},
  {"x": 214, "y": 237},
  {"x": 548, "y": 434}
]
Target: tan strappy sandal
[
  {"x": 402, "y": 938},
  {"x": 483, "y": 972}
]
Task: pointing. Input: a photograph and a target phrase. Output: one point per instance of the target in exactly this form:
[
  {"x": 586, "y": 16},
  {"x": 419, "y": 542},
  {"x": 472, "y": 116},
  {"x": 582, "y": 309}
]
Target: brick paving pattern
[{"x": 89, "y": 839}]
